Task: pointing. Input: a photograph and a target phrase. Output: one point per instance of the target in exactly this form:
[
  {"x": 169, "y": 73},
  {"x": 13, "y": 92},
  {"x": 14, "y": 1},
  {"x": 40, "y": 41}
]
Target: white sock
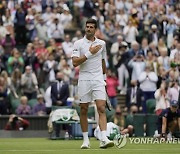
[
  {"x": 85, "y": 137},
  {"x": 103, "y": 135}
]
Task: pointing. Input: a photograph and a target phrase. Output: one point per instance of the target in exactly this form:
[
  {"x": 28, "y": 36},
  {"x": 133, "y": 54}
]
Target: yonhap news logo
[{"x": 121, "y": 140}]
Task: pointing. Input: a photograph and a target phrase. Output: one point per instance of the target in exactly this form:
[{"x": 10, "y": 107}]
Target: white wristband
[
  {"x": 104, "y": 76},
  {"x": 88, "y": 54}
]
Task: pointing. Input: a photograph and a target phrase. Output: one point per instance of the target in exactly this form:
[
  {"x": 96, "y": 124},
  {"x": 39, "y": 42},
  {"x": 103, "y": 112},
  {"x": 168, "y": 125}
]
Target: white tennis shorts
[{"x": 90, "y": 90}]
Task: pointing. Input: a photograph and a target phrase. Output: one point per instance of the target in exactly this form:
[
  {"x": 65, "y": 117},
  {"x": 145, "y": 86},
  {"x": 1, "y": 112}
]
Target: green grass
[{"x": 45, "y": 146}]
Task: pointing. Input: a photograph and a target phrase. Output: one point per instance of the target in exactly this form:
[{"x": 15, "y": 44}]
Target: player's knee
[
  {"x": 101, "y": 109},
  {"x": 84, "y": 109}
]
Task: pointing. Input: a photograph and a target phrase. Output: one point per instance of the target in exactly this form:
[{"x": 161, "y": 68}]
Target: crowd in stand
[{"x": 143, "y": 47}]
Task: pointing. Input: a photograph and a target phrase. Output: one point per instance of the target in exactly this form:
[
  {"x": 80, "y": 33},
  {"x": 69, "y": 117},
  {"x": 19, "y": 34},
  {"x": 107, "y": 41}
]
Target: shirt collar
[{"x": 88, "y": 41}]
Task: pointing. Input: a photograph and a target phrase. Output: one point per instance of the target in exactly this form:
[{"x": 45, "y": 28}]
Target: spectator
[
  {"x": 121, "y": 62},
  {"x": 152, "y": 61},
  {"x": 51, "y": 46},
  {"x": 56, "y": 31},
  {"x": 30, "y": 25},
  {"x": 29, "y": 83},
  {"x": 67, "y": 46},
  {"x": 41, "y": 30},
  {"x": 59, "y": 91},
  {"x": 39, "y": 109},
  {"x": 154, "y": 35},
  {"x": 173, "y": 91},
  {"x": 29, "y": 56},
  {"x": 16, "y": 83},
  {"x": 20, "y": 26},
  {"x": 169, "y": 120},
  {"x": 134, "y": 96},
  {"x": 119, "y": 118},
  {"x": 15, "y": 61},
  {"x": 66, "y": 70},
  {"x": 111, "y": 85},
  {"x": 48, "y": 100},
  {"x": 4, "y": 105},
  {"x": 16, "y": 123},
  {"x": 66, "y": 17},
  {"x": 3, "y": 30},
  {"x": 8, "y": 44},
  {"x": 138, "y": 65},
  {"x": 50, "y": 67},
  {"x": 129, "y": 122},
  {"x": 148, "y": 80},
  {"x": 130, "y": 32},
  {"x": 8, "y": 22},
  {"x": 23, "y": 108},
  {"x": 162, "y": 101},
  {"x": 163, "y": 59}
]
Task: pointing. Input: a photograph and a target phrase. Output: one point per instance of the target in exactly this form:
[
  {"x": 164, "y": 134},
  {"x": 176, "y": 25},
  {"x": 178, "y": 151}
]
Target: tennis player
[{"x": 90, "y": 53}]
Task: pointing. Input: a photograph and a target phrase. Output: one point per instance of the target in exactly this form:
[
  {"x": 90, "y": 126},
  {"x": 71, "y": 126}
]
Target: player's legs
[
  {"x": 84, "y": 92},
  {"x": 102, "y": 115},
  {"x": 99, "y": 95},
  {"x": 104, "y": 142},
  {"x": 83, "y": 116},
  {"x": 173, "y": 126},
  {"x": 84, "y": 124}
]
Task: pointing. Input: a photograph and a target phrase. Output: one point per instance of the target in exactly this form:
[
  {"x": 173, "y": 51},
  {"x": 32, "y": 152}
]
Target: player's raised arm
[{"x": 79, "y": 60}]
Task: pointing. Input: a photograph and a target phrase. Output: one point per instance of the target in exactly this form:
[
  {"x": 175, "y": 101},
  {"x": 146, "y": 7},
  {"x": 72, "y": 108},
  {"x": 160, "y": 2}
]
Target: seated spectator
[
  {"x": 119, "y": 118},
  {"x": 129, "y": 128},
  {"x": 29, "y": 83},
  {"x": 23, "y": 108},
  {"x": 39, "y": 109},
  {"x": 16, "y": 83},
  {"x": 169, "y": 120},
  {"x": 16, "y": 123}
]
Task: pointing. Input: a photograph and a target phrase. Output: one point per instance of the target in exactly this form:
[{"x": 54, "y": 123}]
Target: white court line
[{"x": 114, "y": 149}]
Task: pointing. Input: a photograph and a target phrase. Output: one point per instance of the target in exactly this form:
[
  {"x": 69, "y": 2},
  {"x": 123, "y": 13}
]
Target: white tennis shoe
[
  {"x": 85, "y": 146},
  {"x": 106, "y": 144}
]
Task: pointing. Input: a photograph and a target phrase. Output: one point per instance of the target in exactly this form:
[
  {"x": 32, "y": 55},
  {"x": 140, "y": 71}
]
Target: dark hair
[{"x": 92, "y": 21}]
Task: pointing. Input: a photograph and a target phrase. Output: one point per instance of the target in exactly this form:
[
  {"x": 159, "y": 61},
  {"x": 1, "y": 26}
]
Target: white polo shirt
[{"x": 91, "y": 69}]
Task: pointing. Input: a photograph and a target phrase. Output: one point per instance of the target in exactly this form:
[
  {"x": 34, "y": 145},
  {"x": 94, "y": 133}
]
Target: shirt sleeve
[
  {"x": 104, "y": 52},
  {"x": 76, "y": 51}
]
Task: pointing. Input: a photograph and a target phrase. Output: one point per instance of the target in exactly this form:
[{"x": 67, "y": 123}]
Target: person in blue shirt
[{"x": 169, "y": 120}]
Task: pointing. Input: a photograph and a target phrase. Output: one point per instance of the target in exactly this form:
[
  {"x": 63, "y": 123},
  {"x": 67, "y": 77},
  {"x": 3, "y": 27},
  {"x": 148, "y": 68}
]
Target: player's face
[{"x": 90, "y": 29}]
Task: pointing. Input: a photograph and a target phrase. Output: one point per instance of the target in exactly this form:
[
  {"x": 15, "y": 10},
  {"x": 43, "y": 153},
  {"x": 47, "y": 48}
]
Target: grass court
[{"x": 46, "y": 146}]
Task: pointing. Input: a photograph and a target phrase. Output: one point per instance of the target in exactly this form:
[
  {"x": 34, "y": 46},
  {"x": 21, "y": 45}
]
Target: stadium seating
[
  {"x": 32, "y": 102},
  {"x": 139, "y": 121},
  {"x": 151, "y": 104},
  {"x": 151, "y": 124},
  {"x": 14, "y": 104}
]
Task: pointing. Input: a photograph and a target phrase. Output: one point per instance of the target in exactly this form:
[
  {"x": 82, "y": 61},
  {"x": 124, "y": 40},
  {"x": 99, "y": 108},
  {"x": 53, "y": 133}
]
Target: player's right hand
[{"x": 95, "y": 49}]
